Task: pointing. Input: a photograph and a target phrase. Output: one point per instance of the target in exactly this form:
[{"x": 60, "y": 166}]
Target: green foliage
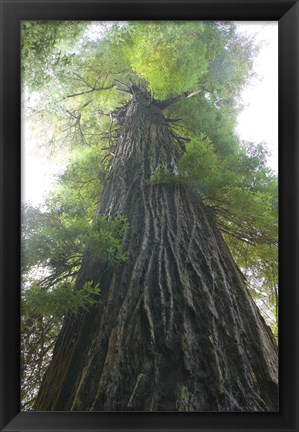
[
  {"x": 230, "y": 59},
  {"x": 175, "y": 56},
  {"x": 79, "y": 187},
  {"x": 42, "y": 46},
  {"x": 61, "y": 243},
  {"x": 58, "y": 236},
  {"x": 182, "y": 56},
  {"x": 200, "y": 117},
  {"x": 162, "y": 175},
  {"x": 62, "y": 299},
  {"x": 199, "y": 165},
  {"x": 79, "y": 88}
]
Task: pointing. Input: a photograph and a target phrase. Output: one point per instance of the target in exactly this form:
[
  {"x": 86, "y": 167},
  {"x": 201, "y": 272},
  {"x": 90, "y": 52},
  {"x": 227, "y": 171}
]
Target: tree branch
[
  {"x": 169, "y": 102},
  {"x": 90, "y": 91}
]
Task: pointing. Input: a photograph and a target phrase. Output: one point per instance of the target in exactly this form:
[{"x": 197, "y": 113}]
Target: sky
[{"x": 258, "y": 122}]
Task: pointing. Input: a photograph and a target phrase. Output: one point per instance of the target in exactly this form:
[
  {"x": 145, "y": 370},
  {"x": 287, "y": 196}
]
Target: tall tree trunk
[{"x": 176, "y": 328}]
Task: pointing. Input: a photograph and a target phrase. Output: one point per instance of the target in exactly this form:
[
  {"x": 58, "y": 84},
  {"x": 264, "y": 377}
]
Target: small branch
[
  {"x": 126, "y": 85},
  {"x": 169, "y": 102},
  {"x": 90, "y": 91},
  {"x": 123, "y": 91},
  {"x": 196, "y": 92},
  {"x": 83, "y": 80},
  {"x": 235, "y": 235},
  {"x": 85, "y": 105}
]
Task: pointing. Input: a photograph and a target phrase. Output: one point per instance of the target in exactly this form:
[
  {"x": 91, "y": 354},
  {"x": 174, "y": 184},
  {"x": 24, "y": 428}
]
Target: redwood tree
[{"x": 175, "y": 328}]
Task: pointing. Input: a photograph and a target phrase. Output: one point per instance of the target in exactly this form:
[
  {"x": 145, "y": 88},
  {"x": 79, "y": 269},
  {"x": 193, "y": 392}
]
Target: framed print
[{"x": 141, "y": 291}]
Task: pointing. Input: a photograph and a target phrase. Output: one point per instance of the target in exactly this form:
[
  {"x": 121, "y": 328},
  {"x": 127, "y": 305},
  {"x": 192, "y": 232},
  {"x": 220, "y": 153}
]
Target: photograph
[{"x": 149, "y": 216}]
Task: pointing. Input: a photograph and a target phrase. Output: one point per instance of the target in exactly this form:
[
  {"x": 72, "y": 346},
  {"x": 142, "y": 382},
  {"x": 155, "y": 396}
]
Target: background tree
[{"x": 174, "y": 326}]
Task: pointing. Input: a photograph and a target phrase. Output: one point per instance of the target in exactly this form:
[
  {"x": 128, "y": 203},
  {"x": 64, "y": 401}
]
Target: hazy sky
[{"x": 258, "y": 122}]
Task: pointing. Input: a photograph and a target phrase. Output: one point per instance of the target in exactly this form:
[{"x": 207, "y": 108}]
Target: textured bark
[{"x": 176, "y": 328}]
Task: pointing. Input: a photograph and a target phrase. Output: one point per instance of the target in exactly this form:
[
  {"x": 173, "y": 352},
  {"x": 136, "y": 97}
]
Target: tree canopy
[{"x": 81, "y": 74}]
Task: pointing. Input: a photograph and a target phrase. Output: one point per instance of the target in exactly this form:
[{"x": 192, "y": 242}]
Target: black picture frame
[{"x": 286, "y": 12}]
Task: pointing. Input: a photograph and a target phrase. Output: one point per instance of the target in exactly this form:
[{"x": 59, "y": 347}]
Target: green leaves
[
  {"x": 60, "y": 243},
  {"x": 63, "y": 299},
  {"x": 79, "y": 187},
  {"x": 162, "y": 174},
  {"x": 42, "y": 43},
  {"x": 54, "y": 241},
  {"x": 175, "y": 56},
  {"x": 199, "y": 165},
  {"x": 76, "y": 76}
]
